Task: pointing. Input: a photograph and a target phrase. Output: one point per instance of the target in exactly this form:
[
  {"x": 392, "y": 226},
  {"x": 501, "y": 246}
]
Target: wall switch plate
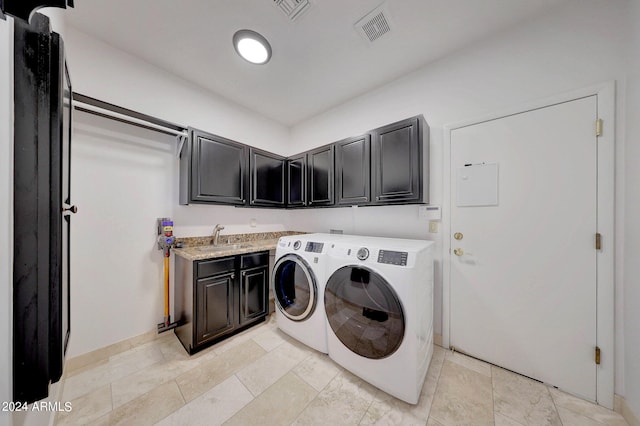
[
  {"x": 430, "y": 212},
  {"x": 433, "y": 227}
]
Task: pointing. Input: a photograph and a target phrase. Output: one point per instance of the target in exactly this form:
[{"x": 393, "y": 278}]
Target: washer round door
[
  {"x": 295, "y": 287},
  {"x": 364, "y": 312}
]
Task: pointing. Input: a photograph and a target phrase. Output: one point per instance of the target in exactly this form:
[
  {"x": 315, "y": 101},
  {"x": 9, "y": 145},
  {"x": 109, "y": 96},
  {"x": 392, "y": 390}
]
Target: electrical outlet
[{"x": 433, "y": 227}]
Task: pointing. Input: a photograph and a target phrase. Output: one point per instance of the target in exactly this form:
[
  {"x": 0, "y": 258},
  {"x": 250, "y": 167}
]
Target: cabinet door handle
[{"x": 233, "y": 276}]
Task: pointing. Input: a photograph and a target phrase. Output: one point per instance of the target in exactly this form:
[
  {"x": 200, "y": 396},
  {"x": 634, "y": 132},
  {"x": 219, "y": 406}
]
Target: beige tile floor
[{"x": 263, "y": 377}]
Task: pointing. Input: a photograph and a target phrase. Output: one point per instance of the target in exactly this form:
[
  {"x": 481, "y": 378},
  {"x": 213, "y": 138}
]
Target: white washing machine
[
  {"x": 299, "y": 277},
  {"x": 379, "y": 309}
]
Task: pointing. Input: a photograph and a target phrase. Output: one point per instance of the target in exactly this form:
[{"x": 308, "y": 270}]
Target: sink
[{"x": 223, "y": 247}]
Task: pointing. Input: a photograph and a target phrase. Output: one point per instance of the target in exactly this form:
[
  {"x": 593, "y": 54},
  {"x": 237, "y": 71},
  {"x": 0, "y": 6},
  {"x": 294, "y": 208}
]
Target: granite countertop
[{"x": 199, "y": 248}]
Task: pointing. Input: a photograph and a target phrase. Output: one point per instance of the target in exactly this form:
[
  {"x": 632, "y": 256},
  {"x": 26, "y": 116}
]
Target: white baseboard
[
  {"x": 621, "y": 404},
  {"x": 437, "y": 339},
  {"x": 76, "y": 363}
]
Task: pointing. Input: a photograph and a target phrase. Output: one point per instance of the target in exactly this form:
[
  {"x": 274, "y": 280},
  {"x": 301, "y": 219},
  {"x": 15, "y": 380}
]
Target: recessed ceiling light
[{"x": 252, "y": 46}]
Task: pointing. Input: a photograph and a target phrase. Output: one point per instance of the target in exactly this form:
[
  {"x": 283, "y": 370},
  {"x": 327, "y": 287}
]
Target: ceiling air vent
[
  {"x": 376, "y": 24},
  {"x": 292, "y": 8}
]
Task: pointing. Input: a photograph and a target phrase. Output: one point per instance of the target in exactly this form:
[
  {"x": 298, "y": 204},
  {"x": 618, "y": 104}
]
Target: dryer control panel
[
  {"x": 393, "y": 257},
  {"x": 313, "y": 247}
]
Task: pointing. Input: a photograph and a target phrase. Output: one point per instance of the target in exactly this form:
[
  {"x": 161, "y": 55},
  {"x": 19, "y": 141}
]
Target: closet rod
[{"x": 124, "y": 115}]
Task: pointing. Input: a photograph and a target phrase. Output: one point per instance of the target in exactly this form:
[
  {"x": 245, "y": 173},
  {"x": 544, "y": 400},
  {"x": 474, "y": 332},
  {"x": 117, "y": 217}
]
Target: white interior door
[{"x": 523, "y": 275}]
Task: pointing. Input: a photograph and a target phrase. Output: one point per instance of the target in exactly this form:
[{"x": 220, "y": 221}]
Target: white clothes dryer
[
  {"x": 299, "y": 277},
  {"x": 379, "y": 309}
]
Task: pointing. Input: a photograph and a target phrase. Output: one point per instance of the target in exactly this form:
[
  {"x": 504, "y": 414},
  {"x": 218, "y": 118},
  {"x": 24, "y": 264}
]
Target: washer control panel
[
  {"x": 314, "y": 247},
  {"x": 297, "y": 245},
  {"x": 363, "y": 253},
  {"x": 393, "y": 257}
]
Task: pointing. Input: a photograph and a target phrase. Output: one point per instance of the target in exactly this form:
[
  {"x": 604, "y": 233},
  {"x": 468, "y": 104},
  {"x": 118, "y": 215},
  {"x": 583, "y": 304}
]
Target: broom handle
[{"x": 166, "y": 287}]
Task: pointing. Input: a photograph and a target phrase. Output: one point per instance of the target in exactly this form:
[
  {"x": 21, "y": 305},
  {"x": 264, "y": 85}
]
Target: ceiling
[{"x": 319, "y": 60}]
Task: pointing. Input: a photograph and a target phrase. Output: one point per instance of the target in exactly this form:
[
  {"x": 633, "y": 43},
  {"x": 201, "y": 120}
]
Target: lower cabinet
[
  {"x": 214, "y": 312},
  {"x": 215, "y": 298},
  {"x": 253, "y": 294}
]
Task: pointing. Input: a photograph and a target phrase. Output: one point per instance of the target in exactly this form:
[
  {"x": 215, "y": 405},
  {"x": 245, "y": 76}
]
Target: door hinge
[
  {"x": 598, "y": 241},
  {"x": 599, "y": 127},
  {"x": 597, "y": 355}
]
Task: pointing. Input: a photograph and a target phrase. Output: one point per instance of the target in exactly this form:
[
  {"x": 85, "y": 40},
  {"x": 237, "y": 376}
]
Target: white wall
[
  {"x": 123, "y": 178},
  {"x": 632, "y": 224},
  {"x": 6, "y": 214},
  {"x": 103, "y": 72},
  {"x": 121, "y": 182},
  {"x": 573, "y": 48}
]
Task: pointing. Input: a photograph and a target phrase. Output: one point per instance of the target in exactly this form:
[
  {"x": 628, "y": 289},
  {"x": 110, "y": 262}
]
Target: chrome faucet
[{"x": 216, "y": 234}]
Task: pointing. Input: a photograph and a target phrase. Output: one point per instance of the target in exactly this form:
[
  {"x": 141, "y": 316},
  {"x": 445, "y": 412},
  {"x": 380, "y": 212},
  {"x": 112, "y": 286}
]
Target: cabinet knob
[
  {"x": 233, "y": 276},
  {"x": 377, "y": 198}
]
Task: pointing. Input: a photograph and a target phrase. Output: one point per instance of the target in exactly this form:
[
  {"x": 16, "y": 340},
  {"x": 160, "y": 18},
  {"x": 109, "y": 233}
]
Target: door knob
[
  {"x": 458, "y": 235},
  {"x": 458, "y": 252},
  {"x": 72, "y": 209}
]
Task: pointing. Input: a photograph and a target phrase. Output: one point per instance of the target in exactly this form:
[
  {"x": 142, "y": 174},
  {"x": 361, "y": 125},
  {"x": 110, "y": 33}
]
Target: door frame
[{"x": 605, "y": 258}]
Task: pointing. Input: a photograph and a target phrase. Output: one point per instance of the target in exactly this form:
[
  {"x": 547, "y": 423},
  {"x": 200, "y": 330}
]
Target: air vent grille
[
  {"x": 375, "y": 25},
  {"x": 292, "y": 8}
]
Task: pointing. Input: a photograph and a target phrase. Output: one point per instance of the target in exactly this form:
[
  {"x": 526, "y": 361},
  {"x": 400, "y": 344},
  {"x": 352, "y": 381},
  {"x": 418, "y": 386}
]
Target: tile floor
[{"x": 263, "y": 377}]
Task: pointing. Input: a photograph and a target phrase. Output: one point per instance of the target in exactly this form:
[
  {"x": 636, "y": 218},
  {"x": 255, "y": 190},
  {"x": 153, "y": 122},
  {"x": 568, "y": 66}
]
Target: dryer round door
[
  {"x": 295, "y": 287},
  {"x": 364, "y": 312}
]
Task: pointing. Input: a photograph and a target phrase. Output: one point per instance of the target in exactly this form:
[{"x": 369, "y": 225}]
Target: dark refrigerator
[{"x": 42, "y": 208}]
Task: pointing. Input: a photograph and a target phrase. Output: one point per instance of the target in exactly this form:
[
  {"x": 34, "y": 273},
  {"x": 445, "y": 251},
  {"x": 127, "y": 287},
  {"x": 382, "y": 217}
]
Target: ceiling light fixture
[{"x": 252, "y": 47}]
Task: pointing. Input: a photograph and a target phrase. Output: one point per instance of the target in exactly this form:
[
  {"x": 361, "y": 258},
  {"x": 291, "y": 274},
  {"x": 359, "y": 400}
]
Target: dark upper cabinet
[
  {"x": 353, "y": 170},
  {"x": 212, "y": 170},
  {"x": 385, "y": 166},
  {"x": 267, "y": 179},
  {"x": 320, "y": 172},
  {"x": 296, "y": 181},
  {"x": 397, "y": 162}
]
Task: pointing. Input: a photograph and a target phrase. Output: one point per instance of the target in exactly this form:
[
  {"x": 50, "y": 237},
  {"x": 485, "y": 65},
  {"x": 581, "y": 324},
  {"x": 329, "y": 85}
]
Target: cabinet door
[
  {"x": 353, "y": 171},
  {"x": 296, "y": 181},
  {"x": 217, "y": 169},
  {"x": 253, "y": 294},
  {"x": 397, "y": 162},
  {"x": 267, "y": 178},
  {"x": 320, "y": 183},
  {"x": 214, "y": 307}
]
